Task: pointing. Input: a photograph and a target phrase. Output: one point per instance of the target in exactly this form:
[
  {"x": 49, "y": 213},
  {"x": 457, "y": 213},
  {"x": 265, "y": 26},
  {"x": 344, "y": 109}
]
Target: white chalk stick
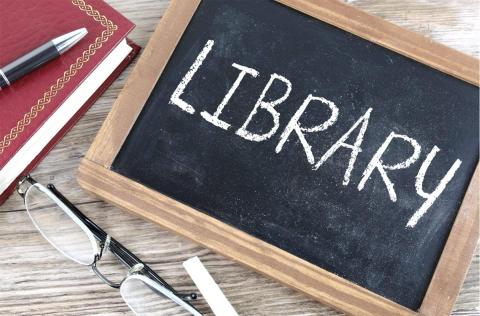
[{"x": 209, "y": 289}]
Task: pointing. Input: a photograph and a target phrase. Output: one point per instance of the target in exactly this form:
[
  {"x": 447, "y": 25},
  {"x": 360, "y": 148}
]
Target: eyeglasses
[{"x": 81, "y": 240}]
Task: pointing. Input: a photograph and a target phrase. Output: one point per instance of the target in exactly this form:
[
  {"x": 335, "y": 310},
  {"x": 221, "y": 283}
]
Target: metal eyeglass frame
[{"x": 137, "y": 268}]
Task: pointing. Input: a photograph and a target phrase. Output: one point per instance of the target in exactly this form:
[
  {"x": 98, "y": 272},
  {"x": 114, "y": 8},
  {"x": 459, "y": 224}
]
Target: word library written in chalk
[{"x": 351, "y": 140}]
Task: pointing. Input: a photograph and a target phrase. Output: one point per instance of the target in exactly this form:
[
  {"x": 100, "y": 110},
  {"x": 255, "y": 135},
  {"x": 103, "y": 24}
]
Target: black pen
[{"x": 39, "y": 56}]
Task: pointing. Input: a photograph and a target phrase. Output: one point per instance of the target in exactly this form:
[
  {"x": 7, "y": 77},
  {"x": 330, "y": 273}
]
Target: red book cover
[{"x": 32, "y": 101}]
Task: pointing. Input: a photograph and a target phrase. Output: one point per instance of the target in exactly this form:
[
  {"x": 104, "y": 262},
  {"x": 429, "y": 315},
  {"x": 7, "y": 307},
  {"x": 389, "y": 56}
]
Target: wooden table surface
[{"x": 35, "y": 279}]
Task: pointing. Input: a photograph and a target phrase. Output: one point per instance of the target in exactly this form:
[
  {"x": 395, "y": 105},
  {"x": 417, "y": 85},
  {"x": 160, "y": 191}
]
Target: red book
[{"x": 37, "y": 110}]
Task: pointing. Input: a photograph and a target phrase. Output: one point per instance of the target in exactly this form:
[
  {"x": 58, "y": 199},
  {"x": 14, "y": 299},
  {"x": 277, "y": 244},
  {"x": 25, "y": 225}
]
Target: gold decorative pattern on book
[{"x": 60, "y": 83}]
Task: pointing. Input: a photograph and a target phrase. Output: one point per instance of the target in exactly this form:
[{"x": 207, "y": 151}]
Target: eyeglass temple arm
[{"x": 122, "y": 253}]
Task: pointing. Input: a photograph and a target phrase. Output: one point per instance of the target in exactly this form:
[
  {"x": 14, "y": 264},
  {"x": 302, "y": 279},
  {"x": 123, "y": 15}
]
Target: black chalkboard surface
[{"x": 412, "y": 146}]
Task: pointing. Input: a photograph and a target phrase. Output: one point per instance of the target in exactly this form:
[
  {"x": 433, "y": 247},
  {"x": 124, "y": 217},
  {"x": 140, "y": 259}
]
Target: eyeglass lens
[
  {"x": 53, "y": 222},
  {"x": 144, "y": 300}
]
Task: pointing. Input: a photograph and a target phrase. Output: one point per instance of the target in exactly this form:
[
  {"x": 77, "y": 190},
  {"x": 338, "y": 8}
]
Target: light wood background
[{"x": 36, "y": 280}]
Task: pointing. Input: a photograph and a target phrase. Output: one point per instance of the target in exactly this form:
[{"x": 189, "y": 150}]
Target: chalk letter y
[{"x": 430, "y": 197}]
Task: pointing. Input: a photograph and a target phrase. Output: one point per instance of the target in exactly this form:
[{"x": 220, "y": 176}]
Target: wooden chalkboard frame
[{"x": 95, "y": 174}]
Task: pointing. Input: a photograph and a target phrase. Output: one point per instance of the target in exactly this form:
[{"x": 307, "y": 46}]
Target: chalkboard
[{"x": 337, "y": 150}]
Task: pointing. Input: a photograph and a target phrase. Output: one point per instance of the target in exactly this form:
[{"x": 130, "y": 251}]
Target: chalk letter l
[{"x": 175, "y": 98}]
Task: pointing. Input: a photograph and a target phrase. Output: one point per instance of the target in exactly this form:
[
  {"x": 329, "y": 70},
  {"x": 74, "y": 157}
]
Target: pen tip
[
  {"x": 66, "y": 41},
  {"x": 83, "y": 31},
  {"x": 79, "y": 33}
]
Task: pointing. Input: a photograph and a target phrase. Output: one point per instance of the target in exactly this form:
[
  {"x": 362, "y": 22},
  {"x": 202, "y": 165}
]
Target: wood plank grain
[{"x": 36, "y": 280}]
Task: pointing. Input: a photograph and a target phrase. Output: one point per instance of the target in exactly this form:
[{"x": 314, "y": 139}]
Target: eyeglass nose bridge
[
  {"x": 104, "y": 278},
  {"x": 104, "y": 246},
  {"x": 103, "y": 249}
]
